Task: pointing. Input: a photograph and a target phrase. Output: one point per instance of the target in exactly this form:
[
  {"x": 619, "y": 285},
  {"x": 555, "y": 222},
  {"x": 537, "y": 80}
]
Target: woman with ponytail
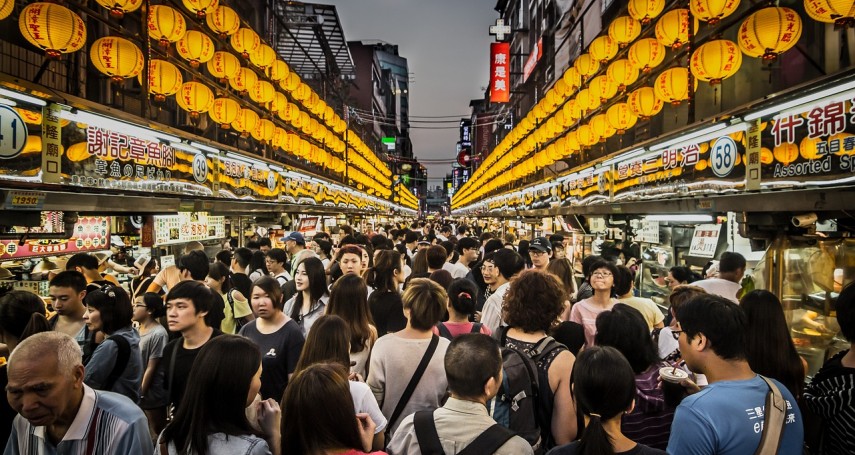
[
  {"x": 461, "y": 306},
  {"x": 22, "y": 314},
  {"x": 603, "y": 386}
]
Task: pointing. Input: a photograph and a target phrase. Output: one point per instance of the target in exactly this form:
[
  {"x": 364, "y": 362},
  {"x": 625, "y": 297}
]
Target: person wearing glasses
[
  {"x": 508, "y": 264},
  {"x": 540, "y": 251},
  {"x": 585, "y": 311},
  {"x": 116, "y": 364}
]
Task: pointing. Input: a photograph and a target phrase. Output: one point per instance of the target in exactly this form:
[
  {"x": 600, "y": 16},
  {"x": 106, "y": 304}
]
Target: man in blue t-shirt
[{"x": 727, "y": 416}]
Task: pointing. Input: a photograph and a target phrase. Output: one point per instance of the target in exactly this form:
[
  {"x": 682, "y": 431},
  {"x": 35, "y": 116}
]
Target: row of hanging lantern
[
  {"x": 765, "y": 34},
  {"x": 58, "y": 30}
]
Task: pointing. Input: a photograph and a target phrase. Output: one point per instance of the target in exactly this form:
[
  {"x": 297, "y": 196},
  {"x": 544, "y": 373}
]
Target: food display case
[{"x": 807, "y": 274}]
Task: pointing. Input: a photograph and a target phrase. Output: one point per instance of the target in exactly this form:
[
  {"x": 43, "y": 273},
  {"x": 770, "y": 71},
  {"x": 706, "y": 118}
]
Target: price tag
[
  {"x": 723, "y": 156},
  {"x": 24, "y": 200},
  {"x": 13, "y": 133}
]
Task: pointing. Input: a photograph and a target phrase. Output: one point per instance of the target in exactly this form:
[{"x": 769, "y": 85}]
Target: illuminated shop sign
[
  {"x": 91, "y": 233},
  {"x": 500, "y": 72},
  {"x": 187, "y": 227}
]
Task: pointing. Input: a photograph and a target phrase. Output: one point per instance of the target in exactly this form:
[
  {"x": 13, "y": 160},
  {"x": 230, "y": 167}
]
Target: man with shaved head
[{"x": 58, "y": 413}]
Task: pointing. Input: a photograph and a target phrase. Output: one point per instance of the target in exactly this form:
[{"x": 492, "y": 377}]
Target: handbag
[{"x": 773, "y": 420}]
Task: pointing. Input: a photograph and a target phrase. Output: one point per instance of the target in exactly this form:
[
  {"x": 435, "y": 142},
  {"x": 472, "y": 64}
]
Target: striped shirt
[
  {"x": 106, "y": 423},
  {"x": 649, "y": 423},
  {"x": 831, "y": 395}
]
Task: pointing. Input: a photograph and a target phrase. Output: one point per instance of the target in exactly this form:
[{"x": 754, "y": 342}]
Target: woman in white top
[
  {"x": 310, "y": 302},
  {"x": 224, "y": 380},
  {"x": 348, "y": 300},
  {"x": 329, "y": 341}
]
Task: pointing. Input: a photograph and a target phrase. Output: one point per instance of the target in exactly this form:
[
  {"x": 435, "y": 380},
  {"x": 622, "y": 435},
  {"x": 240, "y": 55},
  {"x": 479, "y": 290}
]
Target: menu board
[
  {"x": 187, "y": 227},
  {"x": 91, "y": 233},
  {"x": 705, "y": 240}
]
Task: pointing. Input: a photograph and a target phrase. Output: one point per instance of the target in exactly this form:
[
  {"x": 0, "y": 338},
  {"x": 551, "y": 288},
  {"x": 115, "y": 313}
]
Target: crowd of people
[{"x": 413, "y": 339}]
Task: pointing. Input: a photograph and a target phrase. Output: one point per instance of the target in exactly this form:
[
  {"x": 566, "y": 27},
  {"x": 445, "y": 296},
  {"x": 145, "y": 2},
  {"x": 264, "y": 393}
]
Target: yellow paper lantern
[
  {"x": 116, "y": 57},
  {"x": 672, "y": 29},
  {"x": 278, "y": 102},
  {"x": 245, "y": 41},
  {"x": 288, "y": 112},
  {"x": 6, "y": 8},
  {"x": 716, "y": 60},
  {"x": 603, "y": 87},
  {"x": 587, "y": 136},
  {"x": 224, "y": 111},
  {"x": 622, "y": 73},
  {"x": 712, "y": 11},
  {"x": 571, "y": 143},
  {"x": 603, "y": 48},
  {"x": 164, "y": 79},
  {"x": 223, "y": 65},
  {"x": 223, "y": 21},
  {"x": 165, "y": 24},
  {"x": 302, "y": 93},
  {"x": 264, "y": 130},
  {"x": 786, "y": 153},
  {"x": 244, "y": 80},
  {"x": 278, "y": 70},
  {"x": 195, "y": 98},
  {"x": 646, "y": 54},
  {"x": 263, "y": 57},
  {"x": 770, "y": 32},
  {"x": 117, "y": 8},
  {"x": 621, "y": 117},
  {"x": 841, "y": 13},
  {"x": 572, "y": 111},
  {"x": 52, "y": 28},
  {"x": 280, "y": 135},
  {"x": 572, "y": 78},
  {"x": 195, "y": 47},
  {"x": 645, "y": 10},
  {"x": 644, "y": 103},
  {"x": 624, "y": 30},
  {"x": 245, "y": 121},
  {"x": 586, "y": 65},
  {"x": 201, "y": 7},
  {"x": 262, "y": 92},
  {"x": 601, "y": 126},
  {"x": 291, "y": 82},
  {"x": 587, "y": 101},
  {"x": 672, "y": 86}
]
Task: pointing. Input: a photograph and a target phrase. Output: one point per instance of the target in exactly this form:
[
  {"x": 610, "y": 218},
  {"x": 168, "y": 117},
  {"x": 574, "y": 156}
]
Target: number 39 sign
[{"x": 13, "y": 133}]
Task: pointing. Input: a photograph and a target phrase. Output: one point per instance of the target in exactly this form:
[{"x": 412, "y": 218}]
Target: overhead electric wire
[
  {"x": 398, "y": 117},
  {"x": 356, "y": 109}
]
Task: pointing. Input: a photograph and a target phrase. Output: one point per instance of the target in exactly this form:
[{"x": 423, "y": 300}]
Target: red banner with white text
[{"x": 500, "y": 72}]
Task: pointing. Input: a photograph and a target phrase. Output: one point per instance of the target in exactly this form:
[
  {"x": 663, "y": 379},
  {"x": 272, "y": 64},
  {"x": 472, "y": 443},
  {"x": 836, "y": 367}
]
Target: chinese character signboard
[
  {"x": 500, "y": 72},
  {"x": 815, "y": 145},
  {"x": 533, "y": 58},
  {"x": 91, "y": 233},
  {"x": 705, "y": 240},
  {"x": 242, "y": 180},
  {"x": 99, "y": 158},
  {"x": 186, "y": 227}
]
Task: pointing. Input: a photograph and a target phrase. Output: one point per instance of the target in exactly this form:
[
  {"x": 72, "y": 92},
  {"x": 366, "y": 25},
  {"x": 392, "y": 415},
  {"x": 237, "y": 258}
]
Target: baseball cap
[
  {"x": 541, "y": 244},
  {"x": 424, "y": 239},
  {"x": 295, "y": 236},
  {"x": 142, "y": 262}
]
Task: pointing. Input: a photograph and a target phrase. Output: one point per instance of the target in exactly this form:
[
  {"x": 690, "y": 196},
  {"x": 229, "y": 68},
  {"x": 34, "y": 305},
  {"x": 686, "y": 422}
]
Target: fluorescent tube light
[
  {"x": 688, "y": 136},
  {"x": 204, "y": 147},
  {"x": 684, "y": 218},
  {"x": 23, "y": 97},
  {"x": 625, "y": 156},
  {"x": 838, "y": 90}
]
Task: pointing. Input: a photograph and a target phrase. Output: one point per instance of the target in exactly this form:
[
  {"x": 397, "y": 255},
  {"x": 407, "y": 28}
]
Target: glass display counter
[{"x": 807, "y": 275}]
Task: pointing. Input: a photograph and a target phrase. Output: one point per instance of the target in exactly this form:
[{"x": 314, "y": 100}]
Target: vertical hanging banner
[
  {"x": 753, "y": 160},
  {"x": 500, "y": 72},
  {"x": 51, "y": 144}
]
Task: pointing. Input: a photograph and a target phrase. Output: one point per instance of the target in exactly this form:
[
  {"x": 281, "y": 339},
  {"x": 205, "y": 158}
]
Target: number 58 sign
[
  {"x": 723, "y": 156},
  {"x": 13, "y": 133}
]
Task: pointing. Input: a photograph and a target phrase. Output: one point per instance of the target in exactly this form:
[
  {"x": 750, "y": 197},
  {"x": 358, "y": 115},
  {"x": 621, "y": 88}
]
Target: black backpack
[
  {"x": 238, "y": 321},
  {"x": 524, "y": 401},
  {"x": 122, "y": 359},
  {"x": 445, "y": 333},
  {"x": 488, "y": 442}
]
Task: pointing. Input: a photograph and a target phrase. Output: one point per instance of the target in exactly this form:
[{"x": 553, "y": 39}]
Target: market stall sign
[
  {"x": 705, "y": 240},
  {"x": 247, "y": 180},
  {"x": 187, "y": 227},
  {"x": 91, "y": 233},
  {"x": 13, "y": 133},
  {"x": 308, "y": 224},
  {"x": 116, "y": 160},
  {"x": 24, "y": 200}
]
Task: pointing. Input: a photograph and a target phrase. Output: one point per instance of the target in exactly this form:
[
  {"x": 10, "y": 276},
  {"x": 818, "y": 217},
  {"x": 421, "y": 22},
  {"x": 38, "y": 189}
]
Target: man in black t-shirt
[{"x": 187, "y": 305}]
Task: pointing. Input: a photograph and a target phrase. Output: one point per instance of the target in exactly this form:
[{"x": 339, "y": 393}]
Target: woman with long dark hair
[
  {"x": 277, "y": 336},
  {"x": 22, "y": 314},
  {"x": 767, "y": 327},
  {"x": 680, "y": 275},
  {"x": 319, "y": 417},
  {"x": 310, "y": 301},
  {"x": 385, "y": 302},
  {"x": 153, "y": 338},
  {"x": 224, "y": 380},
  {"x": 522, "y": 249},
  {"x": 235, "y": 306},
  {"x": 109, "y": 310},
  {"x": 330, "y": 342},
  {"x": 603, "y": 389},
  {"x": 624, "y": 328},
  {"x": 349, "y": 302},
  {"x": 257, "y": 266}
]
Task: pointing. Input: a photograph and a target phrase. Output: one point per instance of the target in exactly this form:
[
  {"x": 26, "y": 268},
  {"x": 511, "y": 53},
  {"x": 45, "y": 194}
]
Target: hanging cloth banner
[{"x": 500, "y": 72}]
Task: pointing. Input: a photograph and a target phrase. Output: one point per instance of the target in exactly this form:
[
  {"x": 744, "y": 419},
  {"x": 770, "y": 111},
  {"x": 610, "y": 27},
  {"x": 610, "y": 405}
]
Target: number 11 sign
[{"x": 13, "y": 133}]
